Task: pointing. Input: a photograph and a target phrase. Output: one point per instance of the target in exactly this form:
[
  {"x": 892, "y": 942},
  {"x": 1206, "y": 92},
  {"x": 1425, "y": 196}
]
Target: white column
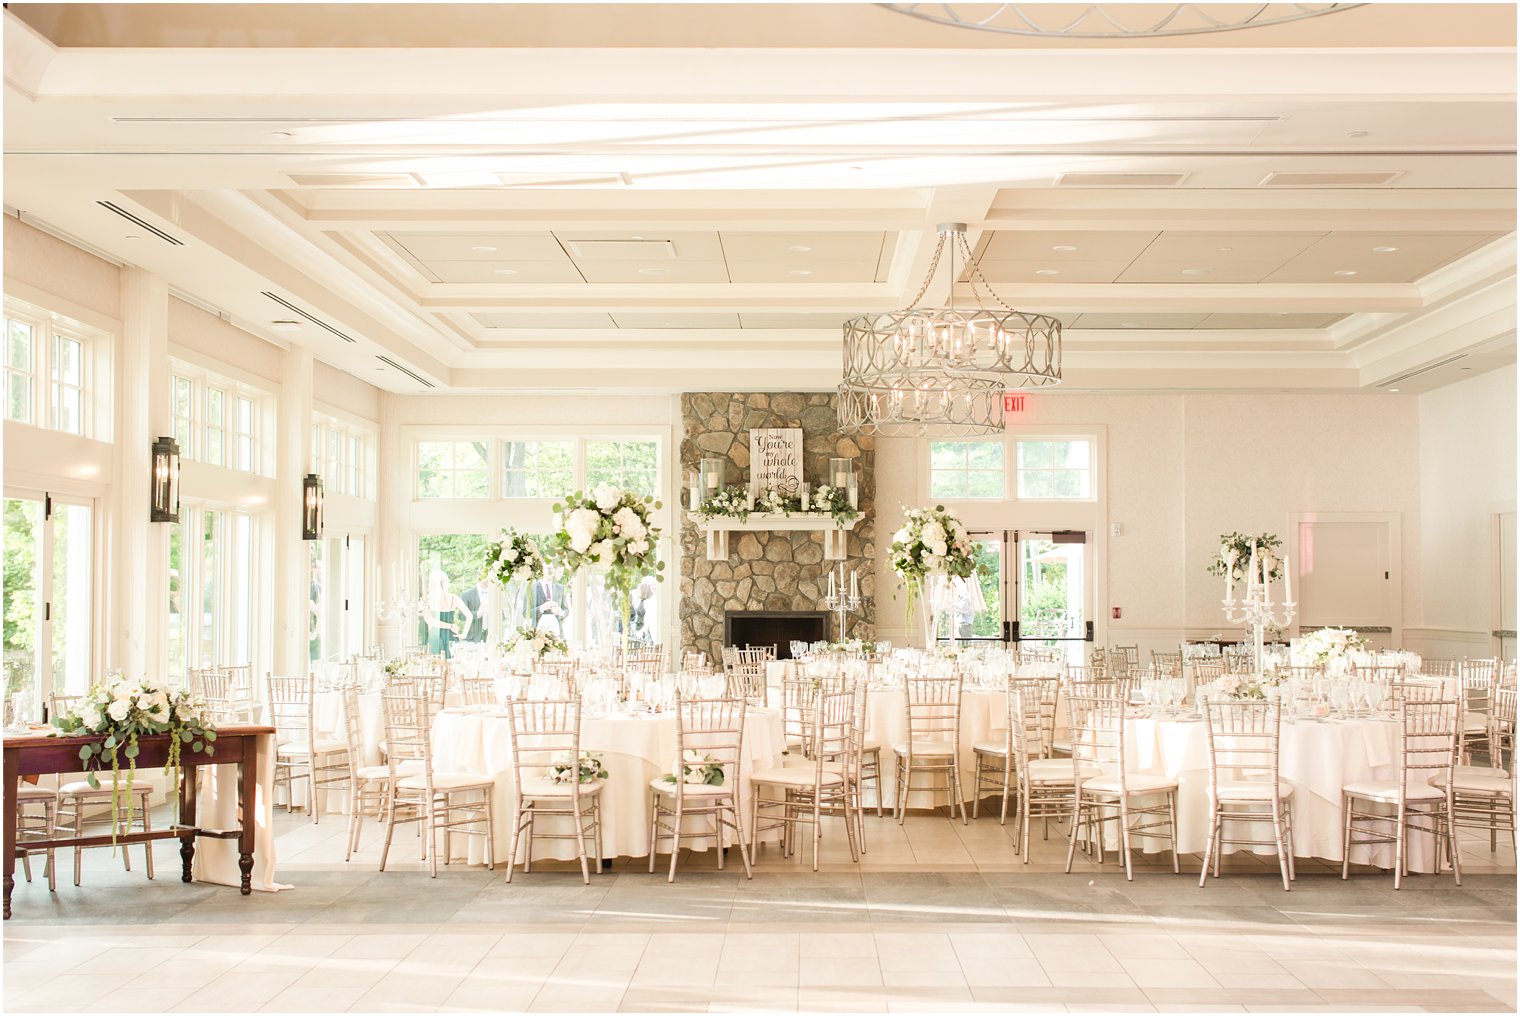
[
  {"x": 292, "y": 555},
  {"x": 136, "y": 560},
  {"x": 393, "y": 488}
]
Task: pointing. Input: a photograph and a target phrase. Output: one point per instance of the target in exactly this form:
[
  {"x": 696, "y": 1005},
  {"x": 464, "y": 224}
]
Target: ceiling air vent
[
  {"x": 405, "y": 370},
  {"x": 1329, "y": 179},
  {"x": 1120, "y": 179},
  {"x": 1418, "y": 371},
  {"x": 141, "y": 223},
  {"x": 310, "y": 317},
  {"x": 621, "y": 250}
]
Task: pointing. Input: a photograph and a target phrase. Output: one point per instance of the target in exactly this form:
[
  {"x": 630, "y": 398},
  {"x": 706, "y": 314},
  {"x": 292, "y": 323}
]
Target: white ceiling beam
[{"x": 1240, "y": 298}]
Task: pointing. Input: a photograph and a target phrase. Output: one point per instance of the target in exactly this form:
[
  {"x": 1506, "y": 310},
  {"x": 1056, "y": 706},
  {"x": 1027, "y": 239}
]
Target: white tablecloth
[
  {"x": 217, "y": 808},
  {"x": 1318, "y": 758},
  {"x": 634, "y": 749}
]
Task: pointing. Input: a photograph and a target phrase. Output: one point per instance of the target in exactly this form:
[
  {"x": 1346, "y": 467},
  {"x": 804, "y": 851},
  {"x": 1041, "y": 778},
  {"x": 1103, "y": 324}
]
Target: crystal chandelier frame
[
  {"x": 1103, "y": 21},
  {"x": 917, "y": 371}
]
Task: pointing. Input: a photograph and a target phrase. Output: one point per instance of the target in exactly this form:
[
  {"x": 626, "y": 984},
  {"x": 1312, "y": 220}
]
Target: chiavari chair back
[
  {"x": 548, "y": 776},
  {"x": 74, "y": 797},
  {"x": 709, "y": 732},
  {"x": 303, "y": 752},
  {"x": 809, "y": 793},
  {"x": 1169, "y": 664},
  {"x": 932, "y": 706},
  {"x": 1243, "y": 741},
  {"x": 746, "y": 679}
]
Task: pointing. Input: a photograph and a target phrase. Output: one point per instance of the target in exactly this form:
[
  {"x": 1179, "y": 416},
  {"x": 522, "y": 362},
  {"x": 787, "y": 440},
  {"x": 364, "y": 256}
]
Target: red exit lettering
[{"x": 1013, "y": 403}]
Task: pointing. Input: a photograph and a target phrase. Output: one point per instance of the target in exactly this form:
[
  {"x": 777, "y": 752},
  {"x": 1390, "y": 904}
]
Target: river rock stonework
[{"x": 769, "y": 570}]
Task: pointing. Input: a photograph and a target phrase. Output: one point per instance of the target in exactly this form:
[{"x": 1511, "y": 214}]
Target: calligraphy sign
[{"x": 775, "y": 459}]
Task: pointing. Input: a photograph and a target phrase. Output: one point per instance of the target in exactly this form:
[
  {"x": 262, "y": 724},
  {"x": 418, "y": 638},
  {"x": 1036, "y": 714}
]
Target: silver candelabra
[
  {"x": 1257, "y": 609},
  {"x": 842, "y": 598}
]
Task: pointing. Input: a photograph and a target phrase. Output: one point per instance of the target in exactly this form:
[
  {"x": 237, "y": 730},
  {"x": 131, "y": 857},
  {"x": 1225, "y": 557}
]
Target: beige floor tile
[
  {"x": 839, "y": 971},
  {"x": 838, "y": 944}
]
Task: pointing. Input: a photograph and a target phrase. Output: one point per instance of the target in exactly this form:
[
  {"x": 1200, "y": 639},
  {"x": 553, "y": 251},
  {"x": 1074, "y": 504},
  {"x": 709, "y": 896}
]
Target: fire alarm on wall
[{"x": 1116, "y": 613}]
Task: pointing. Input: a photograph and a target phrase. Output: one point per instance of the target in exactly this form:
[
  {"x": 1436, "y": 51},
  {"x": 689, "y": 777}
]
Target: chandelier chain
[{"x": 923, "y": 290}]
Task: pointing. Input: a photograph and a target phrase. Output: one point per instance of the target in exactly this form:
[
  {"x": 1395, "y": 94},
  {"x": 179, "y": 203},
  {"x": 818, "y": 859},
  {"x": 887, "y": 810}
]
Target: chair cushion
[
  {"x": 925, "y": 749},
  {"x": 663, "y": 786},
  {"x": 1478, "y": 783},
  {"x": 1474, "y": 771},
  {"x": 990, "y": 747},
  {"x": 1252, "y": 790},
  {"x": 31, "y": 795},
  {"x": 794, "y": 776},
  {"x": 410, "y": 767},
  {"x": 1058, "y": 770},
  {"x": 1475, "y": 723},
  {"x": 1388, "y": 790},
  {"x": 1061, "y": 745},
  {"x": 325, "y": 746},
  {"x": 1136, "y": 783},
  {"x": 446, "y": 781},
  {"x": 82, "y": 788},
  {"x": 542, "y": 786}
]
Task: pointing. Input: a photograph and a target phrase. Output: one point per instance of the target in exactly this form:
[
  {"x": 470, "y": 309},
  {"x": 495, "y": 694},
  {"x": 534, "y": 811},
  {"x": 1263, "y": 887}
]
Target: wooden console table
[{"x": 235, "y": 745}]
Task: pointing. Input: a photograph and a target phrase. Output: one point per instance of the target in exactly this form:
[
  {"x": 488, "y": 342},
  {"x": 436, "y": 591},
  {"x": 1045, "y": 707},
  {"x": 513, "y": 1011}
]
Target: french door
[
  {"x": 49, "y": 593},
  {"x": 1033, "y": 588},
  {"x": 215, "y": 573},
  {"x": 335, "y": 615}
]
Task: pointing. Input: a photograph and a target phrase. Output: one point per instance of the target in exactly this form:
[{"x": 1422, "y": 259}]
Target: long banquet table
[{"x": 635, "y": 749}]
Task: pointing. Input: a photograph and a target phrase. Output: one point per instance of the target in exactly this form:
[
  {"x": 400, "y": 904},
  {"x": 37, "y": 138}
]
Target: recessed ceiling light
[
  {"x": 285, "y": 326},
  {"x": 1195, "y": 271},
  {"x": 1046, "y": 271},
  {"x": 279, "y": 134},
  {"x": 1385, "y": 250},
  {"x": 1063, "y": 246},
  {"x": 132, "y": 236},
  {"x": 799, "y": 271},
  {"x": 1357, "y": 134},
  {"x": 1224, "y": 250},
  {"x": 484, "y": 248},
  {"x": 504, "y": 271},
  {"x": 1393, "y": 389},
  {"x": 1129, "y": 324},
  {"x": 799, "y": 248},
  {"x": 654, "y": 271},
  {"x": 1345, "y": 271},
  {"x": 636, "y": 236},
  {"x": 857, "y": 167}
]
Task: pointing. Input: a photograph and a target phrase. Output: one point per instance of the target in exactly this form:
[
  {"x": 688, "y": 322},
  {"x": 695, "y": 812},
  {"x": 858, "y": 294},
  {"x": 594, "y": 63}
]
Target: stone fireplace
[
  {"x": 776, "y": 628},
  {"x": 770, "y": 571}
]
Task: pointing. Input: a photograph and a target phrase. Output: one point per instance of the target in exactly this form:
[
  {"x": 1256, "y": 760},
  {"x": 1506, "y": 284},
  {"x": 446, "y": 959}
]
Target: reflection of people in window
[
  {"x": 314, "y": 614},
  {"x": 446, "y": 615},
  {"x": 548, "y": 606},
  {"x": 645, "y": 610},
  {"x": 969, "y": 602},
  {"x": 474, "y": 599}
]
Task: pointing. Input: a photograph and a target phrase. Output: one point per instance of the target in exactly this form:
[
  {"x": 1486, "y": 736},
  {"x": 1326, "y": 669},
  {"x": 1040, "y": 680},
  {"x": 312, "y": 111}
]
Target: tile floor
[{"x": 939, "y": 918}]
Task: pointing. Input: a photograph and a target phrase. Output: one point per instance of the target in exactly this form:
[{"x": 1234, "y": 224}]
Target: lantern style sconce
[
  {"x": 311, "y": 507},
  {"x": 165, "y": 481}
]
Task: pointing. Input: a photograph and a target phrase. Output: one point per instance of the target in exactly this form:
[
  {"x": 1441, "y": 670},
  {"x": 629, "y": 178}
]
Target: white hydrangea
[
  {"x": 628, "y": 522},
  {"x": 606, "y": 496},
  {"x": 581, "y": 524}
]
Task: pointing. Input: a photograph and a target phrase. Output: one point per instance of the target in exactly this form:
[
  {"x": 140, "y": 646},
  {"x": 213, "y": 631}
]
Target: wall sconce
[
  {"x": 165, "y": 481},
  {"x": 311, "y": 507}
]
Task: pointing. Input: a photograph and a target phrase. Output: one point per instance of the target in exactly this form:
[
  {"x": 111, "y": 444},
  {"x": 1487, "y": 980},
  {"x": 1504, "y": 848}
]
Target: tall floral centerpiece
[
  {"x": 931, "y": 548},
  {"x": 608, "y": 533},
  {"x": 513, "y": 558},
  {"x": 1330, "y": 648},
  {"x": 120, "y": 710},
  {"x": 1258, "y": 560}
]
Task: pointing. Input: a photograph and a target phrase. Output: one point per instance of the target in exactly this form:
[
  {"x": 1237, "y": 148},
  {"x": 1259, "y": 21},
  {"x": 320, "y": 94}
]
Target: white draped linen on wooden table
[
  {"x": 217, "y": 808},
  {"x": 634, "y": 749}
]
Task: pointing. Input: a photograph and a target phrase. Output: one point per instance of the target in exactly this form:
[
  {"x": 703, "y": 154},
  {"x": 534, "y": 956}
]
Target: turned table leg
[
  {"x": 188, "y": 822},
  {"x": 248, "y": 802},
  {"x": 12, "y": 760}
]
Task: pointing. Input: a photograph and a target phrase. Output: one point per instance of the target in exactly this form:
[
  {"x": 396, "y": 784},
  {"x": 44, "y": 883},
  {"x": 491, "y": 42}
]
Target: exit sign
[{"x": 1013, "y": 403}]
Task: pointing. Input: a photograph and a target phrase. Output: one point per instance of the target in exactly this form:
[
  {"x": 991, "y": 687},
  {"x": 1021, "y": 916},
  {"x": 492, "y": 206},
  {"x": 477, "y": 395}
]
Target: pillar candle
[
  {"x": 855, "y": 584},
  {"x": 1252, "y": 571},
  {"x": 804, "y": 497},
  {"x": 831, "y": 583},
  {"x": 1287, "y": 582}
]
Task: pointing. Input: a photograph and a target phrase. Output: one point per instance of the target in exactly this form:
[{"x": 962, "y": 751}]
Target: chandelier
[
  {"x": 1114, "y": 21},
  {"x": 915, "y": 372}
]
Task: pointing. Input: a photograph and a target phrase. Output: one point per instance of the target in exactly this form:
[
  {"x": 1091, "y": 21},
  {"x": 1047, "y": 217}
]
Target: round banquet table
[
  {"x": 1317, "y": 757},
  {"x": 634, "y": 750}
]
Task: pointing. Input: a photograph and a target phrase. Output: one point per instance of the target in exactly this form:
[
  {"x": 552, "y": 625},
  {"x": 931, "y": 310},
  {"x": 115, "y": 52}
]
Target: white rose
[
  {"x": 600, "y": 552},
  {"x": 119, "y": 709},
  {"x": 92, "y": 717},
  {"x": 933, "y": 533},
  {"x": 901, "y": 536},
  {"x": 938, "y": 547},
  {"x": 581, "y": 525},
  {"x": 509, "y": 553},
  {"x": 628, "y": 520},
  {"x": 606, "y": 497},
  {"x": 638, "y": 547}
]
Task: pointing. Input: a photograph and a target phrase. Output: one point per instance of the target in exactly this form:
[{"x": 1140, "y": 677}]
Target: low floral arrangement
[
  {"x": 608, "y": 530},
  {"x": 121, "y": 710},
  {"x": 535, "y": 641},
  {"x": 848, "y": 646},
  {"x": 1319, "y": 648},
  {"x": 514, "y": 557},
  {"x": 1235, "y": 550},
  {"x": 395, "y": 667},
  {"x": 1233, "y": 686},
  {"x": 732, "y": 502},
  {"x": 834, "y": 501},
  {"x": 698, "y": 769},
  {"x": 588, "y": 769}
]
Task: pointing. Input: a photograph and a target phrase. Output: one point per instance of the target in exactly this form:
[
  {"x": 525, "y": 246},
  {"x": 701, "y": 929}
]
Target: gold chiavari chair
[
  {"x": 546, "y": 733},
  {"x": 1421, "y": 796},
  {"x": 933, "y": 743},
  {"x": 1169, "y": 664},
  {"x": 996, "y": 761},
  {"x": 36, "y": 816},
  {"x": 477, "y": 691},
  {"x": 1116, "y": 795},
  {"x": 713, "y": 728},
  {"x": 302, "y": 752},
  {"x": 437, "y": 801},
  {"x": 1475, "y": 691},
  {"x": 76, "y": 796},
  {"x": 811, "y": 792},
  {"x": 746, "y": 678},
  {"x": 1243, "y": 739},
  {"x": 1483, "y": 797},
  {"x": 368, "y": 785},
  {"x": 1047, "y": 786}
]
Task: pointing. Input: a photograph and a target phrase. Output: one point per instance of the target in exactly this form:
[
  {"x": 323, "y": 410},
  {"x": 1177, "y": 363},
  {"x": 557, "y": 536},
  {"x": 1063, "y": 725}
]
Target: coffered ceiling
[{"x": 1325, "y": 206}]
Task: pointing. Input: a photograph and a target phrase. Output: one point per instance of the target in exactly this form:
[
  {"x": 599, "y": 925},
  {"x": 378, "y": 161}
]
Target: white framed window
[
  {"x": 20, "y": 368},
  {"x": 182, "y": 397},
  {"x": 537, "y": 469},
  {"x": 967, "y": 470},
  {"x": 66, "y": 405},
  {"x": 631, "y": 464},
  {"x": 48, "y": 370},
  {"x": 215, "y": 575},
  {"x": 215, "y": 419},
  {"x": 340, "y": 451},
  {"x": 453, "y": 470},
  {"x": 1054, "y": 469}
]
